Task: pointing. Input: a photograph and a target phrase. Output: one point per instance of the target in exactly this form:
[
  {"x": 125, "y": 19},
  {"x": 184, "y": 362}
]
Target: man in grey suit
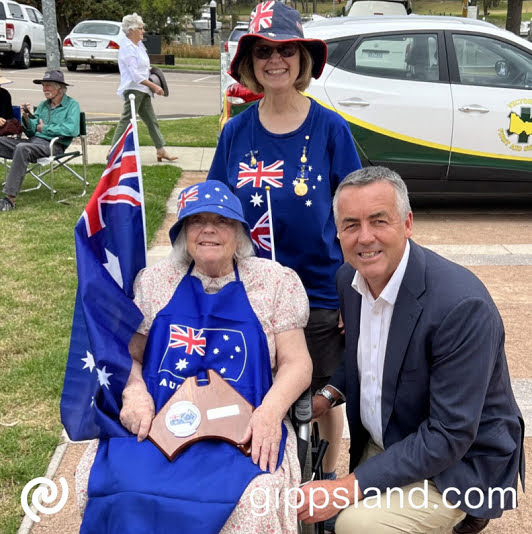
[{"x": 436, "y": 434}]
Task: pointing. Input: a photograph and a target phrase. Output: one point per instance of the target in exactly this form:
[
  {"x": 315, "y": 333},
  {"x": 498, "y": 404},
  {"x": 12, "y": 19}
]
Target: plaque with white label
[{"x": 194, "y": 413}]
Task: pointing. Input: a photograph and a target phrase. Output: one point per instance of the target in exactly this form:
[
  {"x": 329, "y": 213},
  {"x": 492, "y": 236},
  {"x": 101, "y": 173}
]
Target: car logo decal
[{"x": 518, "y": 135}]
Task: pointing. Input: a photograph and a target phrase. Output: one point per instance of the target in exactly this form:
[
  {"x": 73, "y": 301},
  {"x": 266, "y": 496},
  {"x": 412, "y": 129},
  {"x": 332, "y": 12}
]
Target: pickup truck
[{"x": 21, "y": 34}]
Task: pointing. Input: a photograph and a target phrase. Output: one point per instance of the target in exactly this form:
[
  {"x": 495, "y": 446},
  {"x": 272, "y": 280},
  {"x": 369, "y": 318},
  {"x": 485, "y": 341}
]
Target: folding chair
[{"x": 46, "y": 167}]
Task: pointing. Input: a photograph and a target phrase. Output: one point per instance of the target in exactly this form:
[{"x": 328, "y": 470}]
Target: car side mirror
[{"x": 501, "y": 68}]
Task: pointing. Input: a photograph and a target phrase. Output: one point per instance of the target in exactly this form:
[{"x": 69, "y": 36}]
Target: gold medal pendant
[{"x": 301, "y": 188}]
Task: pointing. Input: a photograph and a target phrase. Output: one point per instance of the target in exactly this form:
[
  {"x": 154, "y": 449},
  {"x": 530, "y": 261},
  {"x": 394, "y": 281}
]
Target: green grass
[
  {"x": 194, "y": 63},
  {"x": 38, "y": 280},
  {"x": 200, "y": 131}
]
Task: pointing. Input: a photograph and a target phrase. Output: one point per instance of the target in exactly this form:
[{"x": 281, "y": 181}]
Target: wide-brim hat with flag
[
  {"x": 276, "y": 22},
  {"x": 211, "y": 196}
]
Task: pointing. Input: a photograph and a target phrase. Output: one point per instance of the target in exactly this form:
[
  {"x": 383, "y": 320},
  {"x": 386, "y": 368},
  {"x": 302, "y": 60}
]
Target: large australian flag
[{"x": 110, "y": 251}]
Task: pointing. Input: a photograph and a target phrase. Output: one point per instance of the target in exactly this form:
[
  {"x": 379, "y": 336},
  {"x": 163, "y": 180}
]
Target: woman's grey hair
[
  {"x": 244, "y": 248},
  {"x": 249, "y": 80},
  {"x": 131, "y": 22},
  {"x": 371, "y": 175}
]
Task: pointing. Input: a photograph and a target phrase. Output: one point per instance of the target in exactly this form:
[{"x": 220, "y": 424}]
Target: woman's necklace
[{"x": 300, "y": 187}]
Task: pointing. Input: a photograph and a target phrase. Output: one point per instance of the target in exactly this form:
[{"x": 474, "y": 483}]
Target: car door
[
  {"x": 393, "y": 90},
  {"x": 37, "y": 31},
  {"x": 491, "y": 84}
]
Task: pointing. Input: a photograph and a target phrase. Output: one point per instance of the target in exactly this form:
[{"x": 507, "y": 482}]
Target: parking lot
[{"x": 190, "y": 94}]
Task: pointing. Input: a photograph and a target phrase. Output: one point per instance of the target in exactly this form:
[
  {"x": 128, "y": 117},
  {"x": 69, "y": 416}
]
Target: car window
[
  {"x": 2, "y": 12},
  {"x": 94, "y": 27},
  {"x": 15, "y": 11},
  {"x": 489, "y": 62},
  {"x": 31, "y": 15},
  {"x": 336, "y": 50},
  {"x": 400, "y": 56},
  {"x": 237, "y": 33},
  {"x": 38, "y": 16}
]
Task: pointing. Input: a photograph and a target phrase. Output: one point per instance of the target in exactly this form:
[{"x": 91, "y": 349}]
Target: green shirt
[{"x": 61, "y": 121}]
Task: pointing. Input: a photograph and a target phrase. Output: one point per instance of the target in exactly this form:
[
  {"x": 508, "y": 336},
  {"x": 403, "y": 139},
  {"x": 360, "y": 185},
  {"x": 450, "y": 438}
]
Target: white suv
[{"x": 21, "y": 34}]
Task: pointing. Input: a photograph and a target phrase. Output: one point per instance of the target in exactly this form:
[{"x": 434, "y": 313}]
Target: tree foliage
[
  {"x": 166, "y": 17},
  {"x": 160, "y": 16}
]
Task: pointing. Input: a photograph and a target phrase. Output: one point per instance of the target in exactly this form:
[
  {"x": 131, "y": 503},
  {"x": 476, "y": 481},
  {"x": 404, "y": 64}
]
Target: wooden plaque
[{"x": 197, "y": 412}]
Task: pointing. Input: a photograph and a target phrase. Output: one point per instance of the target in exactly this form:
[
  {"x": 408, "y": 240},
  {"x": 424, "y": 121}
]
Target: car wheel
[
  {"x": 23, "y": 57},
  {"x": 95, "y": 67},
  {"x": 71, "y": 66}
]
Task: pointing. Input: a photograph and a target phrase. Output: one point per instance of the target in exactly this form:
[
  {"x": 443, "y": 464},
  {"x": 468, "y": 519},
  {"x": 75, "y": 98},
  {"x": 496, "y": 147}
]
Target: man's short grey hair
[
  {"x": 131, "y": 22},
  {"x": 244, "y": 248},
  {"x": 371, "y": 175}
]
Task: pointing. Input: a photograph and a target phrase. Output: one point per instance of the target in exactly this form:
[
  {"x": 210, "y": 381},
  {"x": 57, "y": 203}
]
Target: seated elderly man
[
  {"x": 57, "y": 116},
  {"x": 210, "y": 305}
]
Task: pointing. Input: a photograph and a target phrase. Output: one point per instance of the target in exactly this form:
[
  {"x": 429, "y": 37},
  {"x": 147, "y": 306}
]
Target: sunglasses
[{"x": 284, "y": 50}]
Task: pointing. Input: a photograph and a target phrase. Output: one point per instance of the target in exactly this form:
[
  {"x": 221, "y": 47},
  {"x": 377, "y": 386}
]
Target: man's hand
[
  {"x": 320, "y": 405},
  {"x": 138, "y": 410},
  {"x": 264, "y": 430},
  {"x": 2, "y": 122},
  {"x": 158, "y": 90},
  {"x": 323, "y": 499},
  {"x": 39, "y": 126}
]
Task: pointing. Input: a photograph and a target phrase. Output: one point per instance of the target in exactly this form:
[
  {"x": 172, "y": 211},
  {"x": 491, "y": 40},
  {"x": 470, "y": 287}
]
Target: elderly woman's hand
[
  {"x": 264, "y": 430},
  {"x": 138, "y": 410}
]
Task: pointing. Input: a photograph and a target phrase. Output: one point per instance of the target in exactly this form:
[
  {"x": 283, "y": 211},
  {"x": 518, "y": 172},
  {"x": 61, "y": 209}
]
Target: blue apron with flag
[{"x": 133, "y": 487}]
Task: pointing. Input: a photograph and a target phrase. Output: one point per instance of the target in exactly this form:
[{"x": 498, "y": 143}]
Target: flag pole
[
  {"x": 270, "y": 218},
  {"x": 137, "y": 155}
]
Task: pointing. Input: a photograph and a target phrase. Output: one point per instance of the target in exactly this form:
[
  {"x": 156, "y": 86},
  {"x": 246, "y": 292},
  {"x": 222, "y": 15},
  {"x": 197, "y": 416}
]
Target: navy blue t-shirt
[{"x": 311, "y": 160}]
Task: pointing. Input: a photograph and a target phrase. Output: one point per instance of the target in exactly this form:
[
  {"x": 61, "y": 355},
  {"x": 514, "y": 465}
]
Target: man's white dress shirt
[{"x": 375, "y": 318}]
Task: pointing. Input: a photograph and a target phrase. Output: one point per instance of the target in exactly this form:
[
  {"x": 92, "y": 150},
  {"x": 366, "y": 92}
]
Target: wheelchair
[{"x": 310, "y": 449}]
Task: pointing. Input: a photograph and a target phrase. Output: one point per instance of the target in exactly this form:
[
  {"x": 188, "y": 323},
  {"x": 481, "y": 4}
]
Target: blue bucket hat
[
  {"x": 276, "y": 22},
  {"x": 207, "y": 197}
]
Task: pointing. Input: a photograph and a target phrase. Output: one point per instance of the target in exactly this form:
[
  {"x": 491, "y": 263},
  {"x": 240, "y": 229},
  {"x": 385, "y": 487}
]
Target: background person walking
[{"x": 134, "y": 65}]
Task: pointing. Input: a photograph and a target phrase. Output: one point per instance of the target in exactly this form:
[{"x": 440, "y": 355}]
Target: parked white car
[
  {"x": 93, "y": 42},
  {"x": 444, "y": 101},
  {"x": 21, "y": 34},
  {"x": 231, "y": 44}
]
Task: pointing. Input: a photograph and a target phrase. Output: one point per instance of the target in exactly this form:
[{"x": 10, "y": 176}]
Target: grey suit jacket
[{"x": 448, "y": 411}]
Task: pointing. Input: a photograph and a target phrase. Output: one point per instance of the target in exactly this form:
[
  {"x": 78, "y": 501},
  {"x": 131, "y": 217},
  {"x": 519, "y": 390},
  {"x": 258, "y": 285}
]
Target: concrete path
[{"x": 190, "y": 158}]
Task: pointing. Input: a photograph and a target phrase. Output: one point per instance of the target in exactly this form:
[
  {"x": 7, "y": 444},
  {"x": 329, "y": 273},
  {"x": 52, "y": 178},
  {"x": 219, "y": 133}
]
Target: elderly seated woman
[{"x": 250, "y": 313}]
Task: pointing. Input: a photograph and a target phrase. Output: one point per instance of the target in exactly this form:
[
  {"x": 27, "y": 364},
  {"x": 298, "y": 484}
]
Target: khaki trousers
[
  {"x": 144, "y": 108},
  {"x": 396, "y": 513}
]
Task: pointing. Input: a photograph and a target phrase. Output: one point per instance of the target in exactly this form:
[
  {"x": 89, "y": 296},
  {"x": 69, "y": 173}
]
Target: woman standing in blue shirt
[{"x": 302, "y": 151}]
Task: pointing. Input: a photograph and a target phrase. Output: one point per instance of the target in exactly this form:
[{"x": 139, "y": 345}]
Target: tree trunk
[{"x": 513, "y": 16}]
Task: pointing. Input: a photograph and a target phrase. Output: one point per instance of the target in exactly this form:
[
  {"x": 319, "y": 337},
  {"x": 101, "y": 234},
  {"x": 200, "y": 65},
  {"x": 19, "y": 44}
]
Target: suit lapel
[{"x": 404, "y": 319}]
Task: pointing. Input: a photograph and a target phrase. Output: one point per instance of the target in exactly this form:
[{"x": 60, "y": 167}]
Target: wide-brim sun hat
[
  {"x": 211, "y": 196},
  {"x": 157, "y": 77},
  {"x": 52, "y": 76},
  {"x": 278, "y": 23},
  {"x": 4, "y": 81}
]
